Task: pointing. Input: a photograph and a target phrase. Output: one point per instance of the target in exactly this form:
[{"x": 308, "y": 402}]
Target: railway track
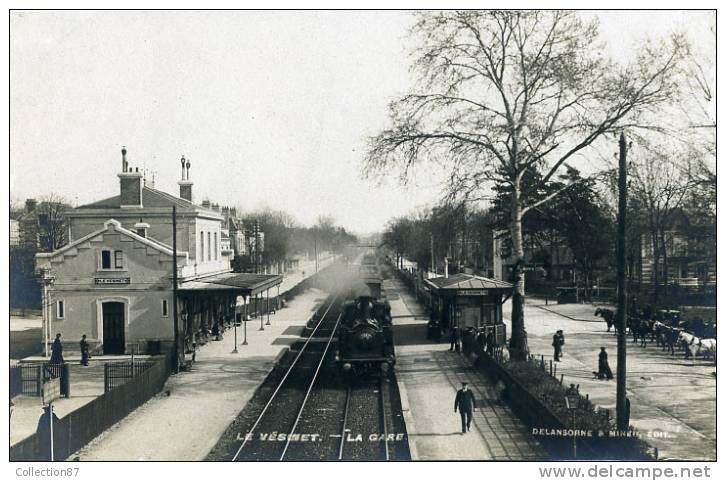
[
  {"x": 275, "y": 428},
  {"x": 365, "y": 427}
]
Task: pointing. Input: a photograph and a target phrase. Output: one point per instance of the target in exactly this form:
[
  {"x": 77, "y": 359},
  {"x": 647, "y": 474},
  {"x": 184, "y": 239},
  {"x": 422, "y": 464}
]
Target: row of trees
[
  {"x": 514, "y": 99},
  {"x": 285, "y": 238}
]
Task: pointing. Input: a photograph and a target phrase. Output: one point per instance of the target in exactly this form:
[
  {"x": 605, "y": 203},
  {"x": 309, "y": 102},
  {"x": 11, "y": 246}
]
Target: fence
[
  {"x": 78, "y": 428},
  {"x": 16, "y": 381},
  {"x": 118, "y": 373},
  {"x": 537, "y": 397},
  {"x": 28, "y": 379}
]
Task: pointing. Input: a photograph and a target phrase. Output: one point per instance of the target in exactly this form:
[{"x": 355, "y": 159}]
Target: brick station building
[{"x": 113, "y": 282}]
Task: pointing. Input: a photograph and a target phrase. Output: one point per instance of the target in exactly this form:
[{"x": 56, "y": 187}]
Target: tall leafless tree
[
  {"x": 661, "y": 183},
  {"x": 501, "y": 93}
]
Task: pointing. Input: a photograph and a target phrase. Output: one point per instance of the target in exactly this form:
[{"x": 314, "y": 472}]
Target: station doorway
[{"x": 113, "y": 328}]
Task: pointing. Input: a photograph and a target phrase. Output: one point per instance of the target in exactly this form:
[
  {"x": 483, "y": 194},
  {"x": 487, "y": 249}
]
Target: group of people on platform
[{"x": 56, "y": 355}]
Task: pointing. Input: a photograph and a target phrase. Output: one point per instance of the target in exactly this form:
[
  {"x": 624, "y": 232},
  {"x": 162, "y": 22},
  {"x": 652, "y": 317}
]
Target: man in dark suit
[{"x": 465, "y": 404}]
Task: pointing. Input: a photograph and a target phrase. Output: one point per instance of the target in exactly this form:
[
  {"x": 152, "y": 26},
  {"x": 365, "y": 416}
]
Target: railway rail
[
  {"x": 259, "y": 443},
  {"x": 379, "y": 447}
]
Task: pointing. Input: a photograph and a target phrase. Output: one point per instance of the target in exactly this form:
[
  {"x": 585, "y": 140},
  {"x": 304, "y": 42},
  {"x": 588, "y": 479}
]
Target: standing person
[
  {"x": 454, "y": 339},
  {"x": 56, "y": 356},
  {"x": 557, "y": 341},
  {"x": 84, "y": 351},
  {"x": 43, "y": 431},
  {"x": 603, "y": 367},
  {"x": 465, "y": 404}
]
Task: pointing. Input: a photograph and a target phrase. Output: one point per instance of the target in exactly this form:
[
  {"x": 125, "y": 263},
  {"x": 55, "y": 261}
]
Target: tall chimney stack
[
  {"x": 124, "y": 164},
  {"x": 185, "y": 185},
  {"x": 131, "y": 187}
]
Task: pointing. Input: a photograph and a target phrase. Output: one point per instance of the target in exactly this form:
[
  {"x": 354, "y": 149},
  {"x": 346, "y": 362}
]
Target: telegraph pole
[
  {"x": 620, "y": 409},
  {"x": 433, "y": 266},
  {"x": 174, "y": 281}
]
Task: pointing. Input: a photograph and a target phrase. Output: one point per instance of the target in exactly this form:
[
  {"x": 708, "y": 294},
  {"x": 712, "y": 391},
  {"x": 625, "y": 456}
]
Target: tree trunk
[
  {"x": 656, "y": 262},
  {"x": 518, "y": 340},
  {"x": 665, "y": 262}
]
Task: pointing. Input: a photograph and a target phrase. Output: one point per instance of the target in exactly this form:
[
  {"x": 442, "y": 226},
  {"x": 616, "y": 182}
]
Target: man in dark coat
[
  {"x": 56, "y": 356},
  {"x": 558, "y": 340},
  {"x": 603, "y": 367},
  {"x": 43, "y": 431},
  {"x": 465, "y": 404},
  {"x": 84, "y": 351}
]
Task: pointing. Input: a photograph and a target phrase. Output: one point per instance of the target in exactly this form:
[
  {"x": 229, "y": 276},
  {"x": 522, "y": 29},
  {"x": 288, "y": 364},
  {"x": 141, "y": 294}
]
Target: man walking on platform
[
  {"x": 465, "y": 404},
  {"x": 84, "y": 351}
]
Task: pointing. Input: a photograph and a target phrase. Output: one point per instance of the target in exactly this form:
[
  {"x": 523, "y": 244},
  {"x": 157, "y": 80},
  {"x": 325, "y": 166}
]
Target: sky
[{"x": 272, "y": 108}]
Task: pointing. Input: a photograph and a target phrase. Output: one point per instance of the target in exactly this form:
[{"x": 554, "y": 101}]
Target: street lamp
[
  {"x": 48, "y": 279},
  {"x": 237, "y": 318},
  {"x": 572, "y": 400},
  {"x": 244, "y": 319}
]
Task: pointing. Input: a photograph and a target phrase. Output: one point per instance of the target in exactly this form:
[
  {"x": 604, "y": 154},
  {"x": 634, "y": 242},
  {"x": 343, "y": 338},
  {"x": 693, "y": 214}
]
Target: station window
[
  {"x": 164, "y": 308},
  {"x": 105, "y": 259},
  {"x": 216, "y": 248},
  {"x": 118, "y": 259},
  {"x": 209, "y": 246},
  {"x": 201, "y": 250},
  {"x": 112, "y": 260},
  {"x": 60, "y": 309}
]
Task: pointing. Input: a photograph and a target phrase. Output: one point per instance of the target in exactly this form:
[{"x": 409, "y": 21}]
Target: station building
[{"x": 113, "y": 281}]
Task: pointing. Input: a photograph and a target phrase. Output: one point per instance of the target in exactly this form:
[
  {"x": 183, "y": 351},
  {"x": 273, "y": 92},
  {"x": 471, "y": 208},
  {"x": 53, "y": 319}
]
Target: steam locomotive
[{"x": 365, "y": 337}]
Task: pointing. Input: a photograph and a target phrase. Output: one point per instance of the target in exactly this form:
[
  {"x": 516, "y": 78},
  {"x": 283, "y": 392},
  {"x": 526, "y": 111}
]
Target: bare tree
[
  {"x": 504, "y": 93},
  {"x": 661, "y": 184}
]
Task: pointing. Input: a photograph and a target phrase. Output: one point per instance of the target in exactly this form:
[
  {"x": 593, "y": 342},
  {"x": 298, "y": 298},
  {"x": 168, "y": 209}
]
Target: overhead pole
[
  {"x": 175, "y": 363},
  {"x": 620, "y": 319}
]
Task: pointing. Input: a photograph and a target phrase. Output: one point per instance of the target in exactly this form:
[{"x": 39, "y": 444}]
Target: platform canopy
[
  {"x": 468, "y": 285},
  {"x": 242, "y": 284}
]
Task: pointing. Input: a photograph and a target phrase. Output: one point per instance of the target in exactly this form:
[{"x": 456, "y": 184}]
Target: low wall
[
  {"x": 544, "y": 423},
  {"x": 78, "y": 428}
]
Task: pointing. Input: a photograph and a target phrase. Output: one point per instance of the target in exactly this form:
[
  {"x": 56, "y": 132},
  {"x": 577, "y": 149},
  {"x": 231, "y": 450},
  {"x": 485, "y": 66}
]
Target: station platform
[
  {"x": 208, "y": 397},
  {"x": 428, "y": 377}
]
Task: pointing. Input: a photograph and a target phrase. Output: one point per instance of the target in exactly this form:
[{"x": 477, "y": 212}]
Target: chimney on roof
[
  {"x": 206, "y": 204},
  {"x": 124, "y": 164},
  {"x": 141, "y": 228},
  {"x": 185, "y": 185},
  {"x": 131, "y": 188}
]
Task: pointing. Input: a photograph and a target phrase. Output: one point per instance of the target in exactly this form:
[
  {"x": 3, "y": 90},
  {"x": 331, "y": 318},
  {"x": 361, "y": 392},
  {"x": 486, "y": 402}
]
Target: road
[{"x": 673, "y": 401}]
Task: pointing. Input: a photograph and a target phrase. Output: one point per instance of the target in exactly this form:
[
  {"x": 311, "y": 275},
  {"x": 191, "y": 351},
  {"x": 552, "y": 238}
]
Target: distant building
[
  {"x": 43, "y": 226},
  {"x": 553, "y": 261},
  {"x": 14, "y": 233},
  {"x": 690, "y": 262},
  {"x": 113, "y": 281}
]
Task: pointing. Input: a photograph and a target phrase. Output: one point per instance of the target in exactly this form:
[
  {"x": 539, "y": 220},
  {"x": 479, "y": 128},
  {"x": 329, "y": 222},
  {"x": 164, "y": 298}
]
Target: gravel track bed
[
  {"x": 323, "y": 415},
  {"x": 266, "y": 442}
]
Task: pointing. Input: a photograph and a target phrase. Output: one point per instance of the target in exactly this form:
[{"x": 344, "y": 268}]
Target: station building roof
[
  {"x": 243, "y": 283},
  {"x": 152, "y": 199},
  {"x": 466, "y": 282}
]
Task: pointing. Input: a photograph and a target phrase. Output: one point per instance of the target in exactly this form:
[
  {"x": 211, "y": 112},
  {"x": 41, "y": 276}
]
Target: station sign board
[
  {"x": 472, "y": 292},
  {"x": 104, "y": 281},
  {"x": 51, "y": 390}
]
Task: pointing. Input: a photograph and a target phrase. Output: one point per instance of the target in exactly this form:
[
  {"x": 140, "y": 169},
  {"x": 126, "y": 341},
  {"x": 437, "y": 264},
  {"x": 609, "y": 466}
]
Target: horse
[
  {"x": 641, "y": 330},
  {"x": 608, "y": 315},
  {"x": 690, "y": 344},
  {"x": 708, "y": 346}
]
